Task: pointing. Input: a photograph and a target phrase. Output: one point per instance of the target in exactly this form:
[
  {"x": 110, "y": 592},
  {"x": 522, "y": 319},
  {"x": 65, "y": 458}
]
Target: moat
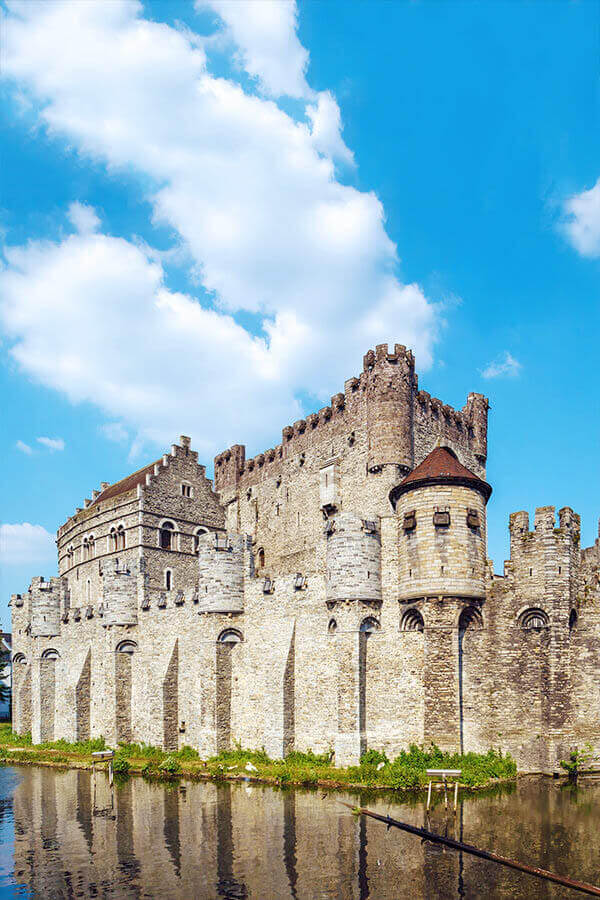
[{"x": 60, "y": 838}]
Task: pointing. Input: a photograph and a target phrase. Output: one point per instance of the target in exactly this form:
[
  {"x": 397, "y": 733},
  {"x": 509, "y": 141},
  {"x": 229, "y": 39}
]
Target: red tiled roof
[
  {"x": 127, "y": 484},
  {"x": 441, "y": 467}
]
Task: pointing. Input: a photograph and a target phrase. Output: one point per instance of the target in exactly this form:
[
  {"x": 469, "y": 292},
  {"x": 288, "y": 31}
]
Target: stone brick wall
[{"x": 352, "y": 631}]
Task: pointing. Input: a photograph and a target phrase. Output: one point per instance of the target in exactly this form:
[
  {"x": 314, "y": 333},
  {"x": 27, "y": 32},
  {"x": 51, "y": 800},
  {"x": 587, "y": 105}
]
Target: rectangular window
[
  {"x": 441, "y": 518},
  {"x": 329, "y": 484},
  {"x": 410, "y": 521},
  {"x": 186, "y": 490}
]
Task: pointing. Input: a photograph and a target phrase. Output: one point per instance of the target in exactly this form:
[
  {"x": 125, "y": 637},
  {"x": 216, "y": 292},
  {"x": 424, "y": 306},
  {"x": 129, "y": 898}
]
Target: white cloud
[
  {"x": 114, "y": 431},
  {"x": 24, "y": 448},
  {"x": 253, "y": 196},
  {"x": 504, "y": 366},
  {"x": 581, "y": 224},
  {"x": 269, "y": 49},
  {"x": 51, "y": 443},
  {"x": 24, "y": 544},
  {"x": 83, "y": 218}
]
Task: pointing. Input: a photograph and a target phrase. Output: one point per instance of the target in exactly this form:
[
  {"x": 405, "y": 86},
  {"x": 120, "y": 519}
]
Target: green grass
[{"x": 407, "y": 771}]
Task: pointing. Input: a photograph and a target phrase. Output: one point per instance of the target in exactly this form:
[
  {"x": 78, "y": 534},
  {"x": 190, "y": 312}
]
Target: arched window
[
  {"x": 369, "y": 625},
  {"x": 19, "y": 659},
  {"x": 86, "y": 549},
  {"x": 332, "y": 627},
  {"x": 92, "y": 546},
  {"x": 167, "y": 536},
  {"x": 120, "y": 537},
  {"x": 412, "y": 620},
  {"x": 260, "y": 559},
  {"x": 168, "y": 579},
  {"x": 572, "y": 619},
  {"x": 127, "y": 647},
  {"x": 50, "y": 653},
  {"x": 198, "y": 532},
  {"x": 230, "y": 636},
  {"x": 112, "y": 540},
  {"x": 70, "y": 555},
  {"x": 470, "y": 617},
  {"x": 534, "y": 619}
]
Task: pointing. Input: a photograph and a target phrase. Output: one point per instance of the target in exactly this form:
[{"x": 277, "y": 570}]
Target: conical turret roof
[{"x": 440, "y": 467}]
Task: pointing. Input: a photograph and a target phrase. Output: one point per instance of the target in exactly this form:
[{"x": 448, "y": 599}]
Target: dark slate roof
[
  {"x": 440, "y": 467},
  {"x": 127, "y": 484}
]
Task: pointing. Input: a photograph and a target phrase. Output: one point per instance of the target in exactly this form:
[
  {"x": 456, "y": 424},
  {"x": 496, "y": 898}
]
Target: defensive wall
[{"x": 331, "y": 593}]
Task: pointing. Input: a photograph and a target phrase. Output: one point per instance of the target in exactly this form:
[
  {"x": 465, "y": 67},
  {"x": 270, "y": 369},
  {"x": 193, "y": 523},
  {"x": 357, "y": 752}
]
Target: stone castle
[{"x": 332, "y": 592}]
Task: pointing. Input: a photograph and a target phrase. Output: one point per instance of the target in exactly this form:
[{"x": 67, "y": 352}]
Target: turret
[
  {"x": 119, "y": 594},
  {"x": 441, "y": 509},
  {"x": 391, "y": 385},
  {"x": 353, "y": 559},
  {"x": 46, "y": 599},
  {"x": 545, "y": 562},
  {"x": 221, "y": 563},
  {"x": 229, "y": 465}
]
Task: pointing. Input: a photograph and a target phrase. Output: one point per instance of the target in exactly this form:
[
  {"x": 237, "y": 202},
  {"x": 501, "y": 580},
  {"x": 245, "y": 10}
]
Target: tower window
[
  {"x": 120, "y": 537},
  {"x": 534, "y": 619},
  {"x": 441, "y": 518},
  {"x": 186, "y": 490},
  {"x": 168, "y": 579},
  {"x": 167, "y": 536},
  {"x": 197, "y": 533}
]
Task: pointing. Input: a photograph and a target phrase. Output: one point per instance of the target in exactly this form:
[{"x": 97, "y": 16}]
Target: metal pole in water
[{"x": 582, "y": 886}]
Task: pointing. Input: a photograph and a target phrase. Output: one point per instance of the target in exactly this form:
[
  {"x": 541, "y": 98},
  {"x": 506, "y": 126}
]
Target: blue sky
[{"x": 210, "y": 212}]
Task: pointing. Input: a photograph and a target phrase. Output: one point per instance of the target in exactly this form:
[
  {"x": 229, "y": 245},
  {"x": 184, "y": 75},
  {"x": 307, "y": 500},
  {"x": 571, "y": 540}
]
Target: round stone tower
[
  {"x": 442, "y": 529},
  {"x": 221, "y": 572},
  {"x": 353, "y": 559}
]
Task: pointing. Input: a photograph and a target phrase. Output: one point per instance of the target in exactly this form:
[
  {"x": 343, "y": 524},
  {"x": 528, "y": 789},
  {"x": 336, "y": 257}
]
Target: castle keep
[{"x": 331, "y": 592}]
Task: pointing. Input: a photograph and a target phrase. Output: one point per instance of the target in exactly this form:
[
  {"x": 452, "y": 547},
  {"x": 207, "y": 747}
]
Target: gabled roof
[
  {"x": 440, "y": 467},
  {"x": 127, "y": 484}
]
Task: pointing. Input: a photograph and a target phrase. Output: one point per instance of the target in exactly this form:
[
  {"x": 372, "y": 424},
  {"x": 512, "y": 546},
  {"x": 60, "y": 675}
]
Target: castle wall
[
  {"x": 310, "y": 616},
  {"x": 373, "y": 432}
]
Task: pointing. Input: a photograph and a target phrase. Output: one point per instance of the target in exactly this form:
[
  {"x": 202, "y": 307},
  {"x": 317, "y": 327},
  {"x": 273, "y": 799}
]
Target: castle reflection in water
[{"x": 203, "y": 840}]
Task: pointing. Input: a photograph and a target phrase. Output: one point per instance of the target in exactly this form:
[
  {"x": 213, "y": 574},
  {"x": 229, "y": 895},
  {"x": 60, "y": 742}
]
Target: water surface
[{"x": 61, "y": 838}]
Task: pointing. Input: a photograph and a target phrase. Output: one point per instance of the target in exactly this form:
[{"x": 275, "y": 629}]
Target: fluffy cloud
[
  {"x": 83, "y": 218},
  {"x": 268, "y": 47},
  {"x": 252, "y": 194},
  {"x": 24, "y": 448},
  {"x": 51, "y": 443},
  {"x": 582, "y": 221},
  {"x": 504, "y": 366},
  {"x": 25, "y": 544}
]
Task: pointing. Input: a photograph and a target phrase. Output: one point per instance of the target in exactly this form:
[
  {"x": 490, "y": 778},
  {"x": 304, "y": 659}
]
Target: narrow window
[
  {"x": 168, "y": 579},
  {"x": 92, "y": 546},
  {"x": 88, "y": 590},
  {"x": 120, "y": 538},
  {"x": 260, "y": 559},
  {"x": 197, "y": 533},
  {"x": 167, "y": 536},
  {"x": 112, "y": 540}
]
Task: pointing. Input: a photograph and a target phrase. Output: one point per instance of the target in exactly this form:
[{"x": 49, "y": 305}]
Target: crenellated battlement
[{"x": 384, "y": 401}]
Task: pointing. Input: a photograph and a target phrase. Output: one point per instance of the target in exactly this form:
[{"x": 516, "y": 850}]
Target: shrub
[
  {"x": 120, "y": 765},
  {"x": 149, "y": 769},
  {"x": 187, "y": 753},
  {"x": 373, "y": 758},
  {"x": 169, "y": 766}
]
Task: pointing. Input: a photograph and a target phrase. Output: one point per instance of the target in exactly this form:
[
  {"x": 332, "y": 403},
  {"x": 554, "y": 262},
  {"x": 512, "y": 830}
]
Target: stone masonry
[{"x": 332, "y": 592}]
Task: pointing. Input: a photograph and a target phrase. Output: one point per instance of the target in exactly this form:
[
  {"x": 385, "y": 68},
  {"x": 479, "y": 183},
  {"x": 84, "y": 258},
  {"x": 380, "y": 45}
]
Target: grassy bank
[{"x": 405, "y": 772}]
